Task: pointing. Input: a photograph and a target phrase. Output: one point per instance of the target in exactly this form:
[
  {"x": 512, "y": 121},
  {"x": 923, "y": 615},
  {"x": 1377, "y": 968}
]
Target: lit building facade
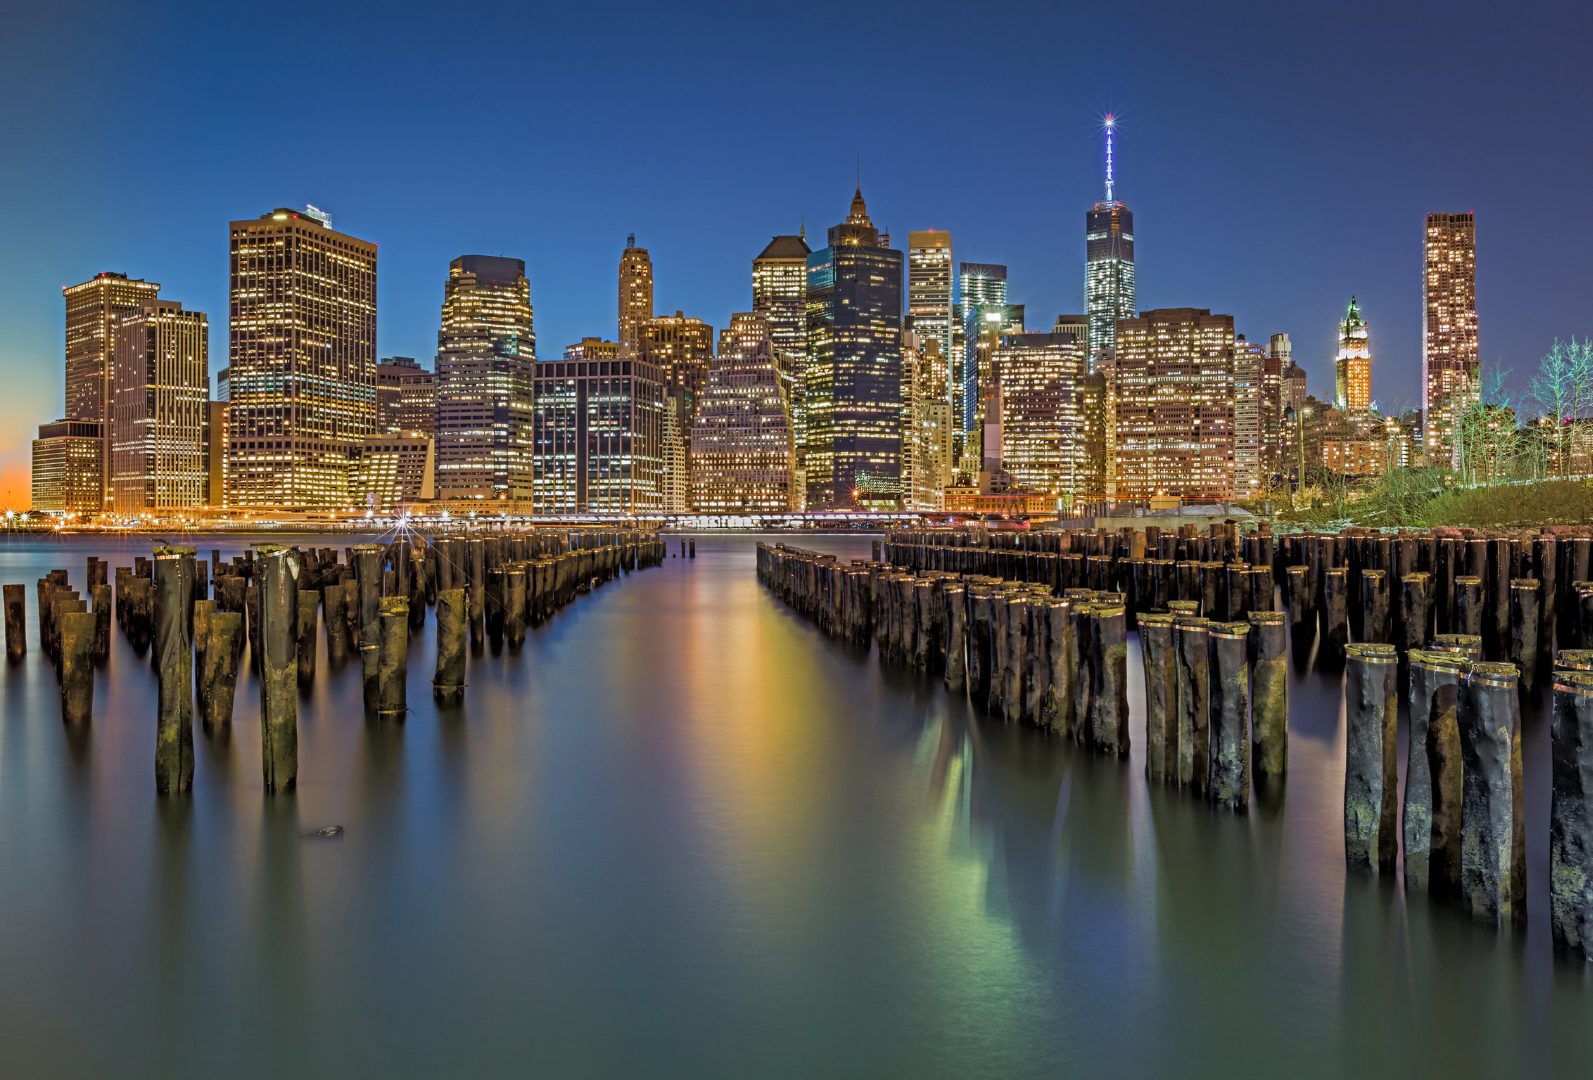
[
  {"x": 216, "y": 454},
  {"x": 742, "y": 446},
  {"x": 982, "y": 288},
  {"x": 160, "y": 409},
  {"x": 592, "y": 348},
  {"x": 929, "y": 290},
  {"x": 486, "y": 356},
  {"x": 780, "y": 295},
  {"x": 1352, "y": 368},
  {"x": 1249, "y": 406},
  {"x": 1174, "y": 396},
  {"x": 854, "y": 376},
  {"x": 635, "y": 294},
  {"x": 1109, "y": 289},
  {"x": 92, "y": 309},
  {"x": 681, "y": 346},
  {"x": 1450, "y": 360},
  {"x": 927, "y": 450},
  {"x": 406, "y": 397},
  {"x": 393, "y": 471},
  {"x": 302, "y": 350},
  {"x": 66, "y": 467},
  {"x": 598, "y": 437},
  {"x": 1042, "y": 413}
]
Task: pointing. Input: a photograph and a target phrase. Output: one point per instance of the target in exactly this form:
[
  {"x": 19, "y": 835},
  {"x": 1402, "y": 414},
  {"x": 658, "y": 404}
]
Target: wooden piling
[
  {"x": 448, "y": 685},
  {"x": 1492, "y": 867},
  {"x": 278, "y": 570},
  {"x": 16, "y": 622},
  {"x": 1371, "y": 779},
  {"x": 1571, "y": 814},
  {"x": 174, "y": 737},
  {"x": 1432, "y": 772}
]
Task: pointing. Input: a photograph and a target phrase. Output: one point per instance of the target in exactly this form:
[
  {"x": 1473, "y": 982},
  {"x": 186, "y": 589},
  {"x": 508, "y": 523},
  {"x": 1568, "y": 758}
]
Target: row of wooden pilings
[
  {"x": 1523, "y": 595},
  {"x": 1216, "y": 713},
  {"x": 199, "y": 617}
]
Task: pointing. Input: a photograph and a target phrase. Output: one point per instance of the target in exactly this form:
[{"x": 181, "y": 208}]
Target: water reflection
[{"x": 682, "y": 832}]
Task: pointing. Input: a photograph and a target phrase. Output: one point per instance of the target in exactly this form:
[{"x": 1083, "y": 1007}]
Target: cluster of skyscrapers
[{"x": 863, "y": 377}]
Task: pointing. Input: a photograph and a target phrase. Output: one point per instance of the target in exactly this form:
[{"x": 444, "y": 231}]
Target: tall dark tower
[
  {"x": 852, "y": 403},
  {"x": 1109, "y": 261}
]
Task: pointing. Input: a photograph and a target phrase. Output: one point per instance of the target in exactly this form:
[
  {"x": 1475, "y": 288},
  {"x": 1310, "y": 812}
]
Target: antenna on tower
[{"x": 1111, "y": 129}]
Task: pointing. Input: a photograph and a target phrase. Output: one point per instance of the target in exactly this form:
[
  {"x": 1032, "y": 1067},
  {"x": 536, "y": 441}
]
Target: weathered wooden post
[
  {"x": 1159, "y": 659},
  {"x": 1466, "y": 617},
  {"x": 16, "y": 622},
  {"x": 448, "y": 685},
  {"x": 218, "y": 675},
  {"x": 1269, "y": 700},
  {"x": 335, "y": 600},
  {"x": 392, "y": 690},
  {"x": 1371, "y": 778},
  {"x": 1335, "y": 614},
  {"x": 77, "y": 667},
  {"x": 204, "y": 613},
  {"x": 103, "y": 606},
  {"x": 1229, "y": 783},
  {"x": 1062, "y": 650},
  {"x": 367, "y": 559},
  {"x": 956, "y": 641},
  {"x": 1432, "y": 772},
  {"x": 514, "y": 605},
  {"x": 1571, "y": 814},
  {"x": 1297, "y": 599},
  {"x": 308, "y": 614},
  {"x": 1109, "y": 674},
  {"x": 1413, "y": 616},
  {"x": 1492, "y": 854},
  {"x": 1524, "y": 621},
  {"x": 1375, "y": 623},
  {"x": 278, "y": 570},
  {"x": 174, "y": 666},
  {"x": 1192, "y": 635}
]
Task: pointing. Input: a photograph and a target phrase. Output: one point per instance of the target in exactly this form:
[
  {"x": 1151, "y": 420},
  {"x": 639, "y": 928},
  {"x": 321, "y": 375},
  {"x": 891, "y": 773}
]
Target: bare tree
[{"x": 1563, "y": 388}]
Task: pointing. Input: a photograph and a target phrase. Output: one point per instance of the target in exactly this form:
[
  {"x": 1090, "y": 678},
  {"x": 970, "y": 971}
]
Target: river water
[{"x": 682, "y": 833}]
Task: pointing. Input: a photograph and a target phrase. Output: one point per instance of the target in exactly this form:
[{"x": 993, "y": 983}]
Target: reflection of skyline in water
[{"x": 683, "y": 832}]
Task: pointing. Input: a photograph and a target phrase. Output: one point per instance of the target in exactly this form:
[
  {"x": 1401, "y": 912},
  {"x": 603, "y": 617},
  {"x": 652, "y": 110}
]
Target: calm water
[{"x": 682, "y": 833}]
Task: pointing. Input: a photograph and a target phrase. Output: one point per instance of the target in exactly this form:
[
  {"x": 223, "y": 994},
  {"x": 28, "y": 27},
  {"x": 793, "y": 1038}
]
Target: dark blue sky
[{"x": 1278, "y": 157}]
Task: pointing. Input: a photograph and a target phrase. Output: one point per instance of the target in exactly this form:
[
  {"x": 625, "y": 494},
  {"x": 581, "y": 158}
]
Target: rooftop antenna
[{"x": 1111, "y": 129}]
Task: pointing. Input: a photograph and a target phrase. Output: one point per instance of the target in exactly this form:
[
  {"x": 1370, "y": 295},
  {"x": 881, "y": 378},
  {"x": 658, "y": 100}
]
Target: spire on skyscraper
[
  {"x": 1111, "y": 128},
  {"x": 859, "y": 214}
]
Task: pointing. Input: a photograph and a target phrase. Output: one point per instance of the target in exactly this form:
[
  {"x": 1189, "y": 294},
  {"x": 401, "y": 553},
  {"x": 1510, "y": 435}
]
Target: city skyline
[{"x": 1322, "y": 231}]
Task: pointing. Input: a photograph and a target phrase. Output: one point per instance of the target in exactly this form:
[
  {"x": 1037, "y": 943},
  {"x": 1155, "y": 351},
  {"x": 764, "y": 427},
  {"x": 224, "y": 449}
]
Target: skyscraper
[
  {"x": 1109, "y": 260},
  {"x": 92, "y": 309},
  {"x": 303, "y": 358},
  {"x": 67, "y": 459},
  {"x": 983, "y": 308},
  {"x": 929, "y": 281},
  {"x": 1352, "y": 368},
  {"x": 1042, "y": 412},
  {"x": 927, "y": 453},
  {"x": 1174, "y": 376},
  {"x": 160, "y": 400},
  {"x": 1249, "y": 404},
  {"x": 741, "y": 444},
  {"x": 406, "y": 397},
  {"x": 854, "y": 377},
  {"x": 598, "y": 433},
  {"x": 682, "y": 346},
  {"x": 635, "y": 294},
  {"x": 780, "y": 295},
  {"x": 1450, "y": 363},
  {"x": 486, "y": 356}
]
